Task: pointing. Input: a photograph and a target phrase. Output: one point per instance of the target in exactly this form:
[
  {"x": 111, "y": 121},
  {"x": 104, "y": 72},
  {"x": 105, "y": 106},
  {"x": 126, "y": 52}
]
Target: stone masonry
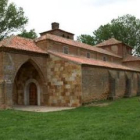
[{"x": 64, "y": 82}]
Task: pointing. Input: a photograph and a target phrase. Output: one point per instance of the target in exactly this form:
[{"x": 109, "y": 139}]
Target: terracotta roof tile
[
  {"x": 50, "y": 31},
  {"x": 129, "y": 58},
  {"x": 20, "y": 43},
  {"x": 94, "y": 62},
  {"x": 110, "y": 41},
  {"x": 75, "y": 43}
]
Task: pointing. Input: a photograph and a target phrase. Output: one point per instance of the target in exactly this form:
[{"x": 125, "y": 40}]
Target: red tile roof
[
  {"x": 50, "y": 31},
  {"x": 75, "y": 43},
  {"x": 20, "y": 43},
  {"x": 111, "y": 41},
  {"x": 129, "y": 58},
  {"x": 108, "y": 42},
  {"x": 94, "y": 62}
]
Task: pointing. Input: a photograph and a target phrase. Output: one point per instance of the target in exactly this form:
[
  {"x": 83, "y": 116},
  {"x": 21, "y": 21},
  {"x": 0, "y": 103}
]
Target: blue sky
[{"x": 76, "y": 16}]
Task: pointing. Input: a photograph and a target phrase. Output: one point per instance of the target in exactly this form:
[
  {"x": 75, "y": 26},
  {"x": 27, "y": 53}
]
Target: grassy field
[{"x": 120, "y": 120}]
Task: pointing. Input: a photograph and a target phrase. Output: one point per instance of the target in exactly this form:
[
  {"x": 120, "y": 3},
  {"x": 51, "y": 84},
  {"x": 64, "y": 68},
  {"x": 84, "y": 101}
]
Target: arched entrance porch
[{"x": 28, "y": 85}]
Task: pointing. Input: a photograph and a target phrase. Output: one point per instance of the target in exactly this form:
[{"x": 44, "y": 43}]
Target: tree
[
  {"x": 125, "y": 29},
  {"x": 31, "y": 34},
  {"x": 87, "y": 39},
  {"x": 12, "y": 19}
]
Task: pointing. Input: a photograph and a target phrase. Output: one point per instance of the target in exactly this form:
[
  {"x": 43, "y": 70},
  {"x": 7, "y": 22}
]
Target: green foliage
[
  {"x": 31, "y": 34},
  {"x": 125, "y": 29},
  {"x": 119, "y": 120},
  {"x": 87, "y": 39},
  {"x": 12, "y": 20}
]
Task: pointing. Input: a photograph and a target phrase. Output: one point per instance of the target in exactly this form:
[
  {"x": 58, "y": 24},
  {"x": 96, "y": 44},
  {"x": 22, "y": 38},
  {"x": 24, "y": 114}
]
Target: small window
[
  {"x": 66, "y": 50},
  {"x": 88, "y": 55},
  {"x": 68, "y": 37},
  {"x": 104, "y": 58},
  {"x": 63, "y": 35}
]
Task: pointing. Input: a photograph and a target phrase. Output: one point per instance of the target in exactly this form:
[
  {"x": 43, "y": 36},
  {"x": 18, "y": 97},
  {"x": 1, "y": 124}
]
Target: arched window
[
  {"x": 104, "y": 58},
  {"x": 88, "y": 54},
  {"x": 65, "y": 50}
]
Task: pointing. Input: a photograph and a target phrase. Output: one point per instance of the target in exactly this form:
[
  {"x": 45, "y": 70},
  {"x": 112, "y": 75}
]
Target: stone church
[{"x": 55, "y": 70}]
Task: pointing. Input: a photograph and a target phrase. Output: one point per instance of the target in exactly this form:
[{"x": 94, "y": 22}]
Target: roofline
[
  {"x": 129, "y": 61},
  {"x": 4, "y": 48},
  {"x": 89, "y": 49},
  {"x": 112, "y": 68},
  {"x": 127, "y": 45},
  {"x": 108, "y": 45},
  {"x": 54, "y": 30},
  {"x": 63, "y": 58},
  {"x": 115, "y": 44},
  {"x": 93, "y": 65}
]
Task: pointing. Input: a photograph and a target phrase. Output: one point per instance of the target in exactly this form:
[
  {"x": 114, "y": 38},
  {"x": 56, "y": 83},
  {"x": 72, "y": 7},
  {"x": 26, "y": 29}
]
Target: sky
[{"x": 75, "y": 16}]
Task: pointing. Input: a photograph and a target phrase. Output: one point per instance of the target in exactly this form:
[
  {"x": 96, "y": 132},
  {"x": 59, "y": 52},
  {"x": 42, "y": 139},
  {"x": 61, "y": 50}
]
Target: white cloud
[{"x": 77, "y": 16}]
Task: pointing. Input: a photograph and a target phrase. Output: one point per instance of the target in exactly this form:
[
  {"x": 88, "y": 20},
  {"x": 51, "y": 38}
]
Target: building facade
[{"x": 55, "y": 70}]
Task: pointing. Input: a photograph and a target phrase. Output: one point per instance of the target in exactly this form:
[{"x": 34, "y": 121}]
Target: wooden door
[{"x": 32, "y": 94}]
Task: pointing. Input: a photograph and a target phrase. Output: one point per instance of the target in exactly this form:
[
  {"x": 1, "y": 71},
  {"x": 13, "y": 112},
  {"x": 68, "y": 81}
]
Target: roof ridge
[
  {"x": 110, "y": 41},
  {"x": 55, "y": 30}
]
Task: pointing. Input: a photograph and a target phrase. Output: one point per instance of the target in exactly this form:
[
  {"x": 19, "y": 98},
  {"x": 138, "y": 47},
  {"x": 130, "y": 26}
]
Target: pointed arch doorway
[
  {"x": 32, "y": 94},
  {"x": 28, "y": 85}
]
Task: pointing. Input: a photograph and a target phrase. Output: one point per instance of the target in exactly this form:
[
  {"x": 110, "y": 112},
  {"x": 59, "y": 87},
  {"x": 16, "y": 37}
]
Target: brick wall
[
  {"x": 132, "y": 64},
  {"x": 96, "y": 83},
  {"x": 43, "y": 44},
  {"x": 58, "y": 47},
  {"x": 62, "y": 34}
]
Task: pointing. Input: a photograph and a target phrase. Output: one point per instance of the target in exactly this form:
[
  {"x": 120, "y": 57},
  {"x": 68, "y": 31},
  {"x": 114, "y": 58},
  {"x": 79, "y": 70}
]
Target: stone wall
[
  {"x": 132, "y": 64},
  {"x": 102, "y": 83},
  {"x": 94, "y": 84},
  {"x": 12, "y": 62},
  {"x": 64, "y": 82}
]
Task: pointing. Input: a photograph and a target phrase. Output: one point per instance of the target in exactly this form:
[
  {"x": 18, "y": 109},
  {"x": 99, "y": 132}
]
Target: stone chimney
[{"x": 55, "y": 25}]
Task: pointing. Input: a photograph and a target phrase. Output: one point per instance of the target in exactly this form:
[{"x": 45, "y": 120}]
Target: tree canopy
[
  {"x": 125, "y": 29},
  {"x": 12, "y": 19},
  {"x": 31, "y": 34}
]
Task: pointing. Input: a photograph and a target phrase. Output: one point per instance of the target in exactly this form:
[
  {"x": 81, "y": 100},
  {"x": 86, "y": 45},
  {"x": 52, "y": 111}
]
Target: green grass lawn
[{"x": 120, "y": 120}]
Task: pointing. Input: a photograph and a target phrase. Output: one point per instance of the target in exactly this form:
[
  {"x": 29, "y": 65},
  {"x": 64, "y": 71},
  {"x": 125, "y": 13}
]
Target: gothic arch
[
  {"x": 29, "y": 72},
  {"x": 36, "y": 67}
]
